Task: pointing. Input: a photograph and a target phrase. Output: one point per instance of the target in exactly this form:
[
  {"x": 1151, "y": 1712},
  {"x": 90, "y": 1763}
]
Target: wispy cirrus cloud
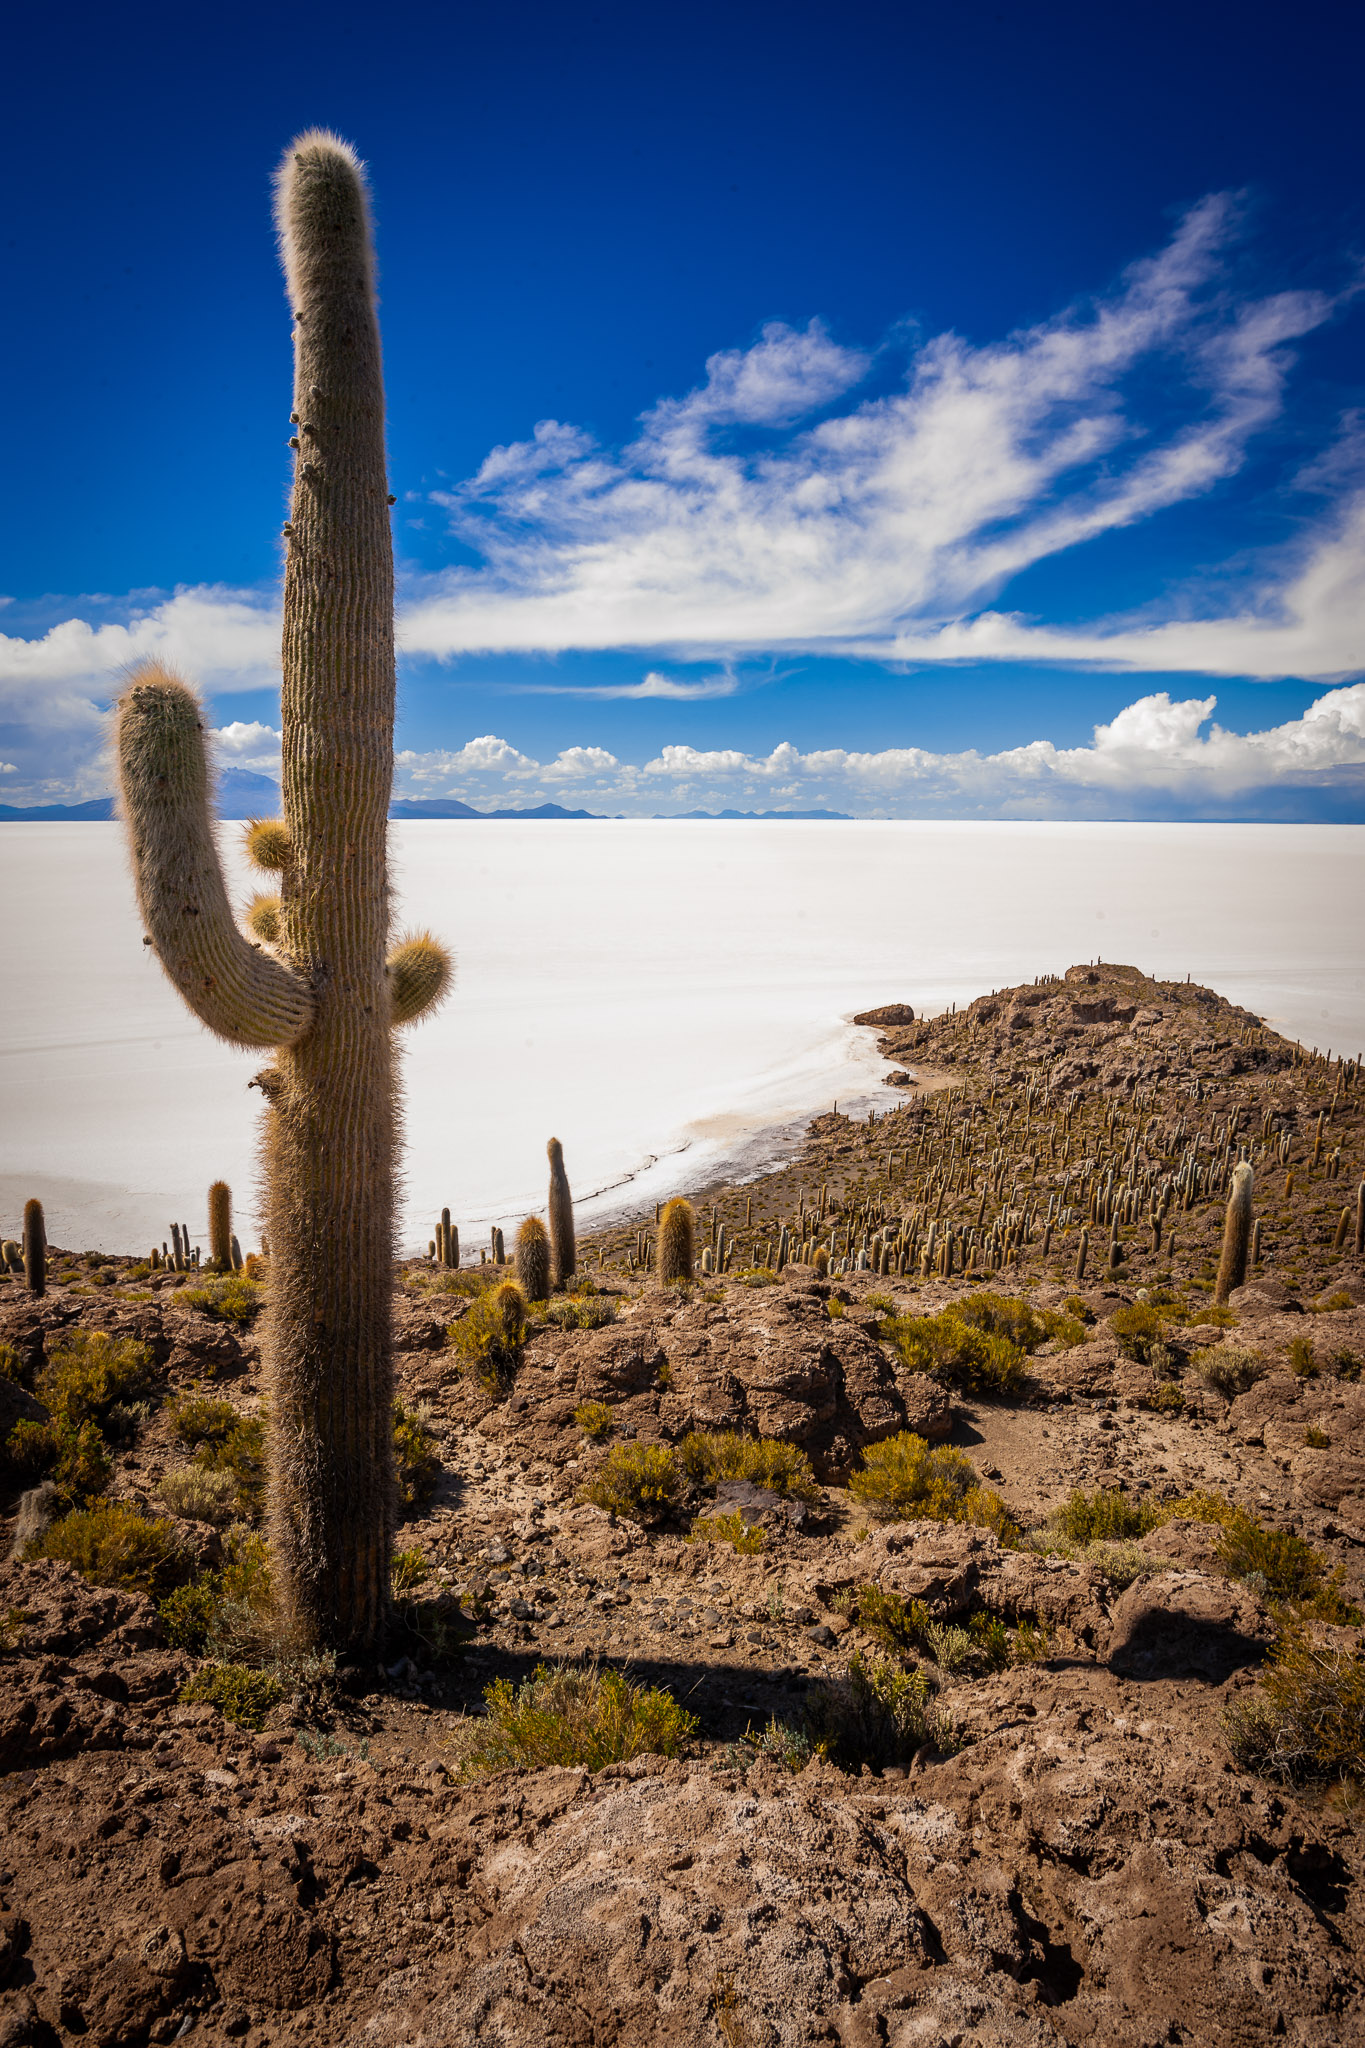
[
  {"x": 653, "y": 685},
  {"x": 882, "y": 524}
]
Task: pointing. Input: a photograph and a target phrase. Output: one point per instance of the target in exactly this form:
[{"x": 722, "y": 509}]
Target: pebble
[
  {"x": 225, "y": 1779},
  {"x": 823, "y": 1634}
]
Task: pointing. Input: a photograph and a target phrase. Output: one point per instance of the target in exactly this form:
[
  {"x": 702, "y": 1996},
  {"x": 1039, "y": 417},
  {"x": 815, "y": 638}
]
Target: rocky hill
[{"x": 1047, "y": 1731}]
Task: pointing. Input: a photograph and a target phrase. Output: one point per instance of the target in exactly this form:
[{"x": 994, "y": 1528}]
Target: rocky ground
[{"x": 1072, "y": 1853}]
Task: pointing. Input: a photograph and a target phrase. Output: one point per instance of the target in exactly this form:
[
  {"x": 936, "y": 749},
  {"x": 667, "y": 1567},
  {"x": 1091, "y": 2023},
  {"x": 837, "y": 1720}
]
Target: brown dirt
[{"x": 1092, "y": 1865}]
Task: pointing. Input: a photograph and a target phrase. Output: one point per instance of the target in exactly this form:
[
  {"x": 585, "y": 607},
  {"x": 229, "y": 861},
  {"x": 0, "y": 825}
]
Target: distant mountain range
[{"x": 244, "y": 794}]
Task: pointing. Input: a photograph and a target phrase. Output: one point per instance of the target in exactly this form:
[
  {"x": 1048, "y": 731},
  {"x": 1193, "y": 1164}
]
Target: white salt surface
[{"x": 669, "y": 999}]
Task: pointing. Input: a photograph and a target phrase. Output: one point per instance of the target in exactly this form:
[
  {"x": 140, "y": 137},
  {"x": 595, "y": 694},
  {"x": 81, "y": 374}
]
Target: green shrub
[
  {"x": 416, "y": 1458},
  {"x": 979, "y": 1645},
  {"x": 201, "y": 1496},
  {"x": 240, "y": 1452},
  {"x": 902, "y": 1480},
  {"x": 408, "y": 1571},
  {"x": 899, "y": 1625},
  {"x": 880, "y": 1304},
  {"x": 89, "y": 1372},
  {"x": 188, "y": 1615},
  {"x": 577, "y": 1312},
  {"x": 228, "y": 1611},
  {"x": 755, "y": 1276},
  {"x": 111, "y": 1544},
  {"x": 1016, "y": 1320},
  {"x": 488, "y": 1339},
  {"x": 882, "y": 1714},
  {"x": 575, "y": 1716},
  {"x": 1169, "y": 1398},
  {"x": 1103, "y": 1517},
  {"x": 1229, "y": 1369},
  {"x": 1139, "y": 1328},
  {"x": 73, "y": 1457},
  {"x": 233, "y": 1299},
  {"x": 11, "y": 1365},
  {"x": 956, "y": 1352},
  {"x": 241, "y": 1695},
  {"x": 201, "y": 1418},
  {"x": 640, "y": 1481},
  {"x": 747, "y": 1540},
  {"x": 1306, "y": 1720},
  {"x": 1303, "y": 1359},
  {"x": 1290, "y": 1568},
  {"x": 708, "y": 1456},
  {"x": 1316, "y": 1439},
  {"x": 595, "y": 1420}
]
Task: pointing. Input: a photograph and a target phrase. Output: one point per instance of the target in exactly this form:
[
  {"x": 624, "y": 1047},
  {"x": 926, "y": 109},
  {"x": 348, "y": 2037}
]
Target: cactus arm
[
  {"x": 239, "y": 992},
  {"x": 419, "y": 971}
]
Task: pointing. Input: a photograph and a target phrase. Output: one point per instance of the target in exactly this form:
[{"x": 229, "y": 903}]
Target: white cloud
[
  {"x": 1154, "y": 754},
  {"x": 652, "y": 684},
  {"x": 248, "y": 744},
  {"x": 577, "y": 763},
  {"x": 888, "y": 521}
]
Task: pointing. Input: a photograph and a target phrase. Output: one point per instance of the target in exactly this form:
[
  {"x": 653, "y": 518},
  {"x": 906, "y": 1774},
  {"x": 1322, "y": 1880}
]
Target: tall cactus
[
  {"x": 563, "y": 1249},
  {"x": 220, "y": 1226},
  {"x": 324, "y": 996},
  {"x": 35, "y": 1247},
  {"x": 1232, "y": 1263}
]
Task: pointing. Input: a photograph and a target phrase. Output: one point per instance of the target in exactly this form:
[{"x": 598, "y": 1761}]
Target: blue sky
[{"x": 898, "y": 409}]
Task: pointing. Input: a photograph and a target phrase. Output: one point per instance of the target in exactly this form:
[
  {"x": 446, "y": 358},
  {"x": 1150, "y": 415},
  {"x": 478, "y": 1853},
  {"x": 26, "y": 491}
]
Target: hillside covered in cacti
[{"x": 822, "y": 1607}]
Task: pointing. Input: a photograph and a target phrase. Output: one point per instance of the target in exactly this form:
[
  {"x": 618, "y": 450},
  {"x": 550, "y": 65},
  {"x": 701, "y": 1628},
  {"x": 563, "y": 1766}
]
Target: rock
[
  {"x": 928, "y": 1406},
  {"x": 1191, "y": 1545},
  {"x": 823, "y": 1634},
  {"x": 1262, "y": 1293},
  {"x": 1185, "y": 1625},
  {"x": 759, "y": 1504},
  {"x": 887, "y": 1015}
]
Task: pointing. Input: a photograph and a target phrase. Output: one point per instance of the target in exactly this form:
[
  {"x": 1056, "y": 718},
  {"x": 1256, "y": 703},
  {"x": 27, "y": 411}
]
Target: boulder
[{"x": 1186, "y": 1625}]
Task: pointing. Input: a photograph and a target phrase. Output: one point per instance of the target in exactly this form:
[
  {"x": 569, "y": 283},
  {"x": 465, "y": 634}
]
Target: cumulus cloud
[
  {"x": 1159, "y": 756},
  {"x": 247, "y": 743}
]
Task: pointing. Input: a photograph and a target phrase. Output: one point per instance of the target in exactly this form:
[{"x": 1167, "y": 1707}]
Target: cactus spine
[
  {"x": 563, "y": 1251},
  {"x": 220, "y": 1227},
  {"x": 1232, "y": 1265},
  {"x": 35, "y": 1248},
  {"x": 675, "y": 1252},
  {"x": 326, "y": 1001},
  {"x": 533, "y": 1259}
]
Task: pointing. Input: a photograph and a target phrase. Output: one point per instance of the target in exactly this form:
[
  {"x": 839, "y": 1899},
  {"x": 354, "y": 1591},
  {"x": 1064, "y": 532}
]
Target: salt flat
[{"x": 663, "y": 996}]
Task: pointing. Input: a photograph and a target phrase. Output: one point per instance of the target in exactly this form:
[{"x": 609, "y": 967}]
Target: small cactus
[
  {"x": 509, "y": 1306},
  {"x": 1082, "y": 1253},
  {"x": 220, "y": 1227},
  {"x": 1360, "y": 1220},
  {"x": 35, "y": 1248},
  {"x": 235, "y": 1252},
  {"x": 675, "y": 1251},
  {"x": 1232, "y": 1265},
  {"x": 12, "y": 1256},
  {"x": 821, "y": 1262},
  {"x": 563, "y": 1252},
  {"x": 533, "y": 1259}
]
